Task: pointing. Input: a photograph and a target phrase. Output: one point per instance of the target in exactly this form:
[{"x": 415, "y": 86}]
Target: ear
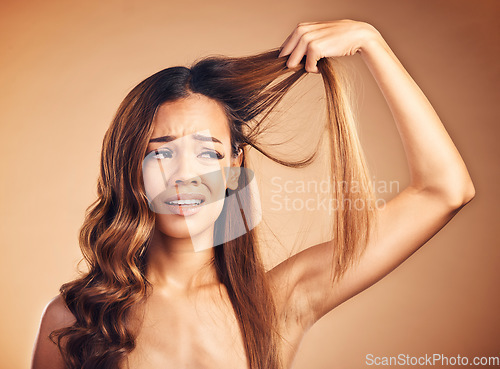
[{"x": 235, "y": 170}]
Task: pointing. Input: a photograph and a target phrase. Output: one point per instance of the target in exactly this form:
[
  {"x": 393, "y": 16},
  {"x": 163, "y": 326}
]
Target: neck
[{"x": 173, "y": 263}]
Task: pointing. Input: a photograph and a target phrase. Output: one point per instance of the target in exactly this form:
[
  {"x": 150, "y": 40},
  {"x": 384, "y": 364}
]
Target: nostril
[{"x": 194, "y": 180}]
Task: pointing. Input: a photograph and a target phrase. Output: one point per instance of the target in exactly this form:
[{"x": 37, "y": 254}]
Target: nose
[{"x": 184, "y": 173}]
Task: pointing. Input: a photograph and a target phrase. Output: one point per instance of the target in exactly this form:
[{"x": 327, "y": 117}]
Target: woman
[{"x": 161, "y": 291}]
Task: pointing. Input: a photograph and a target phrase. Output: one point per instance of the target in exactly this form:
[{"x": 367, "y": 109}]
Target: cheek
[
  {"x": 153, "y": 181},
  {"x": 225, "y": 166},
  {"x": 216, "y": 182}
]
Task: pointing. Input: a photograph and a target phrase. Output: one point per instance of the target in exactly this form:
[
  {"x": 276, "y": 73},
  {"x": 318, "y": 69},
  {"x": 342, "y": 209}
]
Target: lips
[
  {"x": 190, "y": 197},
  {"x": 185, "y": 204}
]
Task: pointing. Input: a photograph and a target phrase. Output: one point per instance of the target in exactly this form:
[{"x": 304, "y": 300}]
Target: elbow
[
  {"x": 470, "y": 192},
  {"x": 460, "y": 196},
  {"x": 453, "y": 196}
]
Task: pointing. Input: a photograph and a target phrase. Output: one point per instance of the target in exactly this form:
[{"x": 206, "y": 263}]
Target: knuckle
[
  {"x": 313, "y": 46},
  {"x": 301, "y": 28},
  {"x": 307, "y": 38}
]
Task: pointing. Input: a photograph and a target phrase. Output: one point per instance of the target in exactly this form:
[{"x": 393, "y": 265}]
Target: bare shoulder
[{"x": 55, "y": 315}]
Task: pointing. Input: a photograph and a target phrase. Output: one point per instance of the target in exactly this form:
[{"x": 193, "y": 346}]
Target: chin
[{"x": 172, "y": 226}]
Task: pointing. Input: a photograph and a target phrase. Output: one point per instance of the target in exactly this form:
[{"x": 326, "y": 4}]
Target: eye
[
  {"x": 162, "y": 154},
  {"x": 211, "y": 155}
]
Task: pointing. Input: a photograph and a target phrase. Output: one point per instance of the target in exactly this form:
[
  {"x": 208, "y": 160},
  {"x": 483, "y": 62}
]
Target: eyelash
[{"x": 218, "y": 155}]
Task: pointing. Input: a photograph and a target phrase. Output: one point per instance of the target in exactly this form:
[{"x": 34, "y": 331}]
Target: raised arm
[{"x": 440, "y": 184}]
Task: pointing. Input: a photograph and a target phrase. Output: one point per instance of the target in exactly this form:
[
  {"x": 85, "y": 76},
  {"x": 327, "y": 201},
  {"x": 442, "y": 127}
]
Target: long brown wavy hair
[{"x": 119, "y": 225}]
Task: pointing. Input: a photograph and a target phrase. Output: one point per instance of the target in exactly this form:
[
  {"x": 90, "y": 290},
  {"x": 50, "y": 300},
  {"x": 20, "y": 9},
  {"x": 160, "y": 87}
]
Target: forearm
[{"x": 434, "y": 162}]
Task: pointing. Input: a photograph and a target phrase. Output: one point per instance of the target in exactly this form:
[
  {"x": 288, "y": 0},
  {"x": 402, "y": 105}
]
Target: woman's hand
[{"x": 319, "y": 40}]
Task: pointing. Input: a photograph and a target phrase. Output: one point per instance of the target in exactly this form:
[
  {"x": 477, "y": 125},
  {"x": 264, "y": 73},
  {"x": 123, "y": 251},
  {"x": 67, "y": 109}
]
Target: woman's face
[{"x": 186, "y": 169}]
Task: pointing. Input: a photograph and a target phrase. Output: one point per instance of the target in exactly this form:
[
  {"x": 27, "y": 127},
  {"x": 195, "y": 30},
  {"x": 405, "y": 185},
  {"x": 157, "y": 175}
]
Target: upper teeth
[{"x": 185, "y": 202}]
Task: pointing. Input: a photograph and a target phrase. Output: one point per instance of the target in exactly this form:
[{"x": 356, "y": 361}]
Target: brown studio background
[{"x": 65, "y": 67}]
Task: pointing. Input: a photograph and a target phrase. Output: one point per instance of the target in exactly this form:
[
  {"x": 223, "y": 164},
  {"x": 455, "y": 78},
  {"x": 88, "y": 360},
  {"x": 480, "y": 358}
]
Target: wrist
[{"x": 370, "y": 39}]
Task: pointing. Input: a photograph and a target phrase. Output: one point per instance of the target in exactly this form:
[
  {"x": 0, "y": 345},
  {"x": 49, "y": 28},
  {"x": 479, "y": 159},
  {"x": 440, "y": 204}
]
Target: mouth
[{"x": 185, "y": 204}]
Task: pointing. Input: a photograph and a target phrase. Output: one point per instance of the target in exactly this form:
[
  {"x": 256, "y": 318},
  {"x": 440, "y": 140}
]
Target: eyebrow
[{"x": 196, "y": 136}]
